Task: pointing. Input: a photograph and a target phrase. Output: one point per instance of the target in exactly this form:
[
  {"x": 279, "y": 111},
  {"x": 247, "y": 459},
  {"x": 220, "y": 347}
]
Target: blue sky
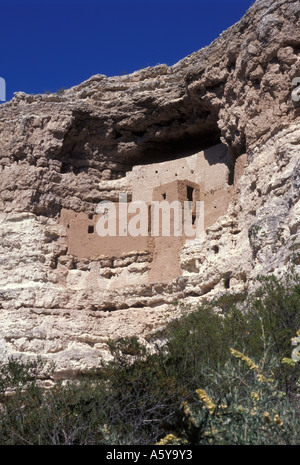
[{"x": 49, "y": 44}]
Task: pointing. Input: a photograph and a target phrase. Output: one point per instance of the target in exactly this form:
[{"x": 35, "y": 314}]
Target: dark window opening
[
  {"x": 227, "y": 283},
  {"x": 164, "y": 196},
  {"x": 190, "y": 193},
  {"x": 90, "y": 216},
  {"x": 194, "y": 219},
  {"x": 231, "y": 174},
  {"x": 90, "y": 229}
]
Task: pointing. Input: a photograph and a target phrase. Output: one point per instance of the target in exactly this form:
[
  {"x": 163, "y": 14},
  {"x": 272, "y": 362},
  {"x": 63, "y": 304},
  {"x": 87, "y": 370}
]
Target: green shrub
[
  {"x": 248, "y": 409},
  {"x": 269, "y": 317},
  {"x": 197, "y": 386}
]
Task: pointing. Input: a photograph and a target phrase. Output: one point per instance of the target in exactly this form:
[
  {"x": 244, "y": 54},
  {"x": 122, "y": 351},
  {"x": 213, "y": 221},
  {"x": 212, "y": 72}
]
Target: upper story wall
[{"x": 208, "y": 167}]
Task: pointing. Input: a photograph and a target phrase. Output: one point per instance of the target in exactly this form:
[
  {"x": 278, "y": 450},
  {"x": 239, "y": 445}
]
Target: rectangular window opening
[
  {"x": 190, "y": 193},
  {"x": 227, "y": 282}
]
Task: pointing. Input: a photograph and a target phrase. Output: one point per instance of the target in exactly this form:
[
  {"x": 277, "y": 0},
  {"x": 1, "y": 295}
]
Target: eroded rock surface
[{"x": 70, "y": 151}]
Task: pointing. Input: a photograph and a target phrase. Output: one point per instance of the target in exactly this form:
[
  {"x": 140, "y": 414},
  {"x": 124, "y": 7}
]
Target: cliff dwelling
[
  {"x": 202, "y": 176},
  {"x": 219, "y": 128}
]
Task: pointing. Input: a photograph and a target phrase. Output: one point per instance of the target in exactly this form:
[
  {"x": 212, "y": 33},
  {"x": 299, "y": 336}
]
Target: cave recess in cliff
[{"x": 171, "y": 149}]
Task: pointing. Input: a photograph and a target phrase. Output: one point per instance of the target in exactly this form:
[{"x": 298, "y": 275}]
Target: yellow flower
[
  {"x": 289, "y": 361},
  {"x": 253, "y": 411},
  {"x": 250, "y": 364},
  {"x": 255, "y": 396},
  {"x": 277, "y": 420},
  {"x": 223, "y": 406},
  {"x": 169, "y": 439},
  {"x": 188, "y": 412},
  {"x": 267, "y": 417},
  {"x": 206, "y": 399}
]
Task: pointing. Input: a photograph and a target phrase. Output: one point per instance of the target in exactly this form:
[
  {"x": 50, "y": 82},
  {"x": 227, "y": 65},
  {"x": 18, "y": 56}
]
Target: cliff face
[{"x": 67, "y": 152}]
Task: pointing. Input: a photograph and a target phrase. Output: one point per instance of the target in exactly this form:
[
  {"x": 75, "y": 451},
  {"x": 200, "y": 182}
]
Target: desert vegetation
[{"x": 222, "y": 374}]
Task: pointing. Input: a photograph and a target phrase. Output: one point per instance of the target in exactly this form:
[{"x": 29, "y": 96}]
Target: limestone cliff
[{"x": 61, "y": 154}]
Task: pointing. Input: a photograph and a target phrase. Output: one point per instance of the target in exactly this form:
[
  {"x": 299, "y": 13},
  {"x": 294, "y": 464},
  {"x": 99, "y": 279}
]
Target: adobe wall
[
  {"x": 165, "y": 262},
  {"x": 84, "y": 242},
  {"x": 206, "y": 173},
  {"x": 176, "y": 190},
  {"x": 208, "y": 167}
]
